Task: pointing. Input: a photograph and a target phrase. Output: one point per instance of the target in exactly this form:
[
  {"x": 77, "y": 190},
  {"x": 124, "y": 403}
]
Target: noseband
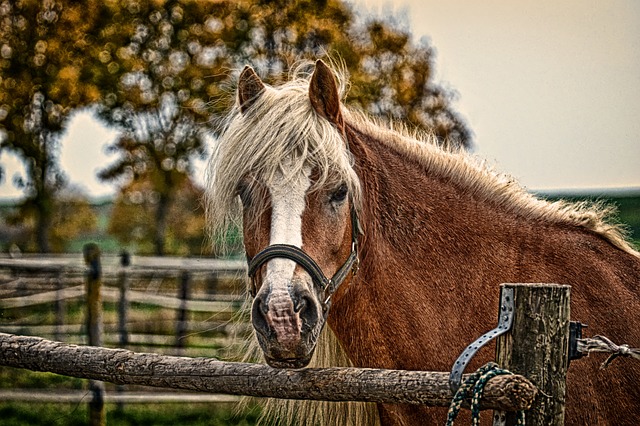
[{"x": 286, "y": 251}]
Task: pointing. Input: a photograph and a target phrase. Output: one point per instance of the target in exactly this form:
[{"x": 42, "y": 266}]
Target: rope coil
[
  {"x": 603, "y": 344},
  {"x": 473, "y": 388}
]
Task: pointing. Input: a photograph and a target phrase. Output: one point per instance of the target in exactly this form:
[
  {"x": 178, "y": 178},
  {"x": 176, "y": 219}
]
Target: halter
[{"x": 287, "y": 251}]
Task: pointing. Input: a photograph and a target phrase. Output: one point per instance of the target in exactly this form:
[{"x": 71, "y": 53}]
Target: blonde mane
[
  {"x": 481, "y": 181},
  {"x": 281, "y": 126}
]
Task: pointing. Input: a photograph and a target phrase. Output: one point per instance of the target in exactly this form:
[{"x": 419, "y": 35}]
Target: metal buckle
[{"x": 504, "y": 324}]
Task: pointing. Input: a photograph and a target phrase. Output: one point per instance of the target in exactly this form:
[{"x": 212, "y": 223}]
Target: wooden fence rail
[
  {"x": 111, "y": 294},
  {"x": 509, "y": 392},
  {"x": 35, "y": 280}
]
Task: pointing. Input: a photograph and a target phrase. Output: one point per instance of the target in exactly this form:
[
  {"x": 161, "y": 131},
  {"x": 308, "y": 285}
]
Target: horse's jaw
[{"x": 287, "y": 356}]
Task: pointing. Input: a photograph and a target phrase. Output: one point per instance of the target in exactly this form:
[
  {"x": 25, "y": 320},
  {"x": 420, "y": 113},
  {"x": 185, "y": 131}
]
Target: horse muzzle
[{"x": 287, "y": 326}]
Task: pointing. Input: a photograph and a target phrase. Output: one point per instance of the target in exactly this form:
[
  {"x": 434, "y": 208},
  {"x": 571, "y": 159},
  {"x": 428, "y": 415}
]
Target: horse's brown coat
[{"x": 432, "y": 260}]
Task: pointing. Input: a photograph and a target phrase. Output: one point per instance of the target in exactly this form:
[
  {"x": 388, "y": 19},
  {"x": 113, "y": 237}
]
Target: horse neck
[
  {"x": 409, "y": 219},
  {"x": 423, "y": 235},
  {"x": 406, "y": 209}
]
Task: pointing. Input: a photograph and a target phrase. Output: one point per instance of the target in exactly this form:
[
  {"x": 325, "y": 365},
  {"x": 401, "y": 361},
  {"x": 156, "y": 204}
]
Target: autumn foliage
[{"x": 163, "y": 71}]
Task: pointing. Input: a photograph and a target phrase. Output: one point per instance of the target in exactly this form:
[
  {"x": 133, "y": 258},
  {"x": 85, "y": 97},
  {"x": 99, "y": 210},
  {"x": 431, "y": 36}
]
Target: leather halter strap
[{"x": 286, "y": 251}]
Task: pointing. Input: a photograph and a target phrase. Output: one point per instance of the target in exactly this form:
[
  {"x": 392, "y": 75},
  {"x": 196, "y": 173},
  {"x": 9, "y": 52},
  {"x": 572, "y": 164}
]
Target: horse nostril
[
  {"x": 259, "y": 314},
  {"x": 300, "y": 304},
  {"x": 307, "y": 310}
]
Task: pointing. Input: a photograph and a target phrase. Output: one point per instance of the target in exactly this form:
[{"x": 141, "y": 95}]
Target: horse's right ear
[
  {"x": 250, "y": 87},
  {"x": 323, "y": 93}
]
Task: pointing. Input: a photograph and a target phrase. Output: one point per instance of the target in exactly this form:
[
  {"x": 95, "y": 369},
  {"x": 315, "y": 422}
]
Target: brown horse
[{"x": 439, "y": 233}]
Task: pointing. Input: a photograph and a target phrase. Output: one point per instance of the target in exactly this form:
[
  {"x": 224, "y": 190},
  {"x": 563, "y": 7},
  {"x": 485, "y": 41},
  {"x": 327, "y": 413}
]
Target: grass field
[{"x": 171, "y": 414}]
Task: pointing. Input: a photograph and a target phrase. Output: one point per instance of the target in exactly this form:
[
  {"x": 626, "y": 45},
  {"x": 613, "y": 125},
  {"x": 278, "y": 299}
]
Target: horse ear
[
  {"x": 250, "y": 87},
  {"x": 323, "y": 93}
]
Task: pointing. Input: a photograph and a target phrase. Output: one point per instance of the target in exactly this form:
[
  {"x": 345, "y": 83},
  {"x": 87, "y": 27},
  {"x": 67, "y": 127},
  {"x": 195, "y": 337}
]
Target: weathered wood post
[
  {"x": 91, "y": 253},
  {"x": 537, "y": 347},
  {"x": 60, "y": 306},
  {"x": 123, "y": 302},
  {"x": 181, "y": 323},
  {"x": 123, "y": 310}
]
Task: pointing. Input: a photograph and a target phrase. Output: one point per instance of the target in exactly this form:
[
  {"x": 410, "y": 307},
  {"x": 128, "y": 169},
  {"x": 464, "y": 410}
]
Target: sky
[{"x": 551, "y": 90}]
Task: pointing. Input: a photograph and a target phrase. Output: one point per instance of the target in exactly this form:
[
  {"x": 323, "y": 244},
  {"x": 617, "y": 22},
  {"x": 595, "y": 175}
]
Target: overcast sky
[{"x": 551, "y": 90}]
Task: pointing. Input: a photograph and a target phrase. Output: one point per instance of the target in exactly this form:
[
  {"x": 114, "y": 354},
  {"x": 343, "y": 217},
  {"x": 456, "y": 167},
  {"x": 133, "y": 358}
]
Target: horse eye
[
  {"x": 244, "y": 193},
  {"x": 339, "y": 194}
]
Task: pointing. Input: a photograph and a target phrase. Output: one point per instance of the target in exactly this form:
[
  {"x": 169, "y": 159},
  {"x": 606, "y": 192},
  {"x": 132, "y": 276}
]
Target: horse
[{"x": 416, "y": 239}]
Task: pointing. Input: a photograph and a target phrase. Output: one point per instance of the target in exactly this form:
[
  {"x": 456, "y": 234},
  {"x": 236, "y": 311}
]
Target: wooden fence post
[
  {"x": 91, "y": 253},
  {"x": 60, "y": 306},
  {"x": 123, "y": 302},
  {"x": 181, "y": 323},
  {"x": 123, "y": 309},
  {"x": 537, "y": 347}
]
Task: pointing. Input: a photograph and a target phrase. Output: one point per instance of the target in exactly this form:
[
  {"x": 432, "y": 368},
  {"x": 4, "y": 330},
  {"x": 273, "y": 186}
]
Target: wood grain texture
[{"x": 537, "y": 347}]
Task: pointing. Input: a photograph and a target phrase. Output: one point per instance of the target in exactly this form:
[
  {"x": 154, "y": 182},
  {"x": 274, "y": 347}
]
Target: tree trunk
[
  {"x": 43, "y": 206},
  {"x": 162, "y": 212}
]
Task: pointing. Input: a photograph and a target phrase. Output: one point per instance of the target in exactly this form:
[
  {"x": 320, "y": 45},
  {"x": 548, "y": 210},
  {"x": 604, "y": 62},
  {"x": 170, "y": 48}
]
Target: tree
[
  {"x": 157, "y": 148},
  {"x": 41, "y": 61},
  {"x": 167, "y": 64},
  {"x": 132, "y": 219}
]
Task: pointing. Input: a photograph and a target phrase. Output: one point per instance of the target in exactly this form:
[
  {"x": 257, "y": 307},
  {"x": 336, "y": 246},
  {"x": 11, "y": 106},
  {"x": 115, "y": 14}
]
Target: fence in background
[{"x": 176, "y": 306}]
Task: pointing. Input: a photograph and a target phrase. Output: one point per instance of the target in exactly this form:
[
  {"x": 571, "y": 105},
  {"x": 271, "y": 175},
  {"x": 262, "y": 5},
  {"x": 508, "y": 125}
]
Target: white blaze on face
[{"x": 287, "y": 205}]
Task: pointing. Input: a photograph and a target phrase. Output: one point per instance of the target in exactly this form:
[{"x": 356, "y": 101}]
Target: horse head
[{"x": 299, "y": 215}]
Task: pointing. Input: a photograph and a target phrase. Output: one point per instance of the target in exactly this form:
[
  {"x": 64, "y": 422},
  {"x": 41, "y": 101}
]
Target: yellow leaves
[
  {"x": 41, "y": 46},
  {"x": 69, "y": 73}
]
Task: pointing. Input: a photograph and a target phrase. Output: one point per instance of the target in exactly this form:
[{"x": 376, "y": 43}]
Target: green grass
[
  {"x": 17, "y": 378},
  {"x": 171, "y": 414}
]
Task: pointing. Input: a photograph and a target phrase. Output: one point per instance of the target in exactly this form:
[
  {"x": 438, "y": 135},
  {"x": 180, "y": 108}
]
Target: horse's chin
[{"x": 292, "y": 363}]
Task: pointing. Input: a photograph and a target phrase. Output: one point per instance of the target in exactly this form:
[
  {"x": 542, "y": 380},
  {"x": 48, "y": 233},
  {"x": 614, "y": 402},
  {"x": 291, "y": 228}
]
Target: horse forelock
[{"x": 279, "y": 135}]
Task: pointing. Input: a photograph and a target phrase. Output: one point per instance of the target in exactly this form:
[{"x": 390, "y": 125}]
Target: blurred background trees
[
  {"x": 41, "y": 81},
  {"x": 162, "y": 71}
]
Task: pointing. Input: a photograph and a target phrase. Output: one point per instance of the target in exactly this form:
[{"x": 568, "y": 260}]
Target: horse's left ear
[
  {"x": 250, "y": 87},
  {"x": 323, "y": 93}
]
